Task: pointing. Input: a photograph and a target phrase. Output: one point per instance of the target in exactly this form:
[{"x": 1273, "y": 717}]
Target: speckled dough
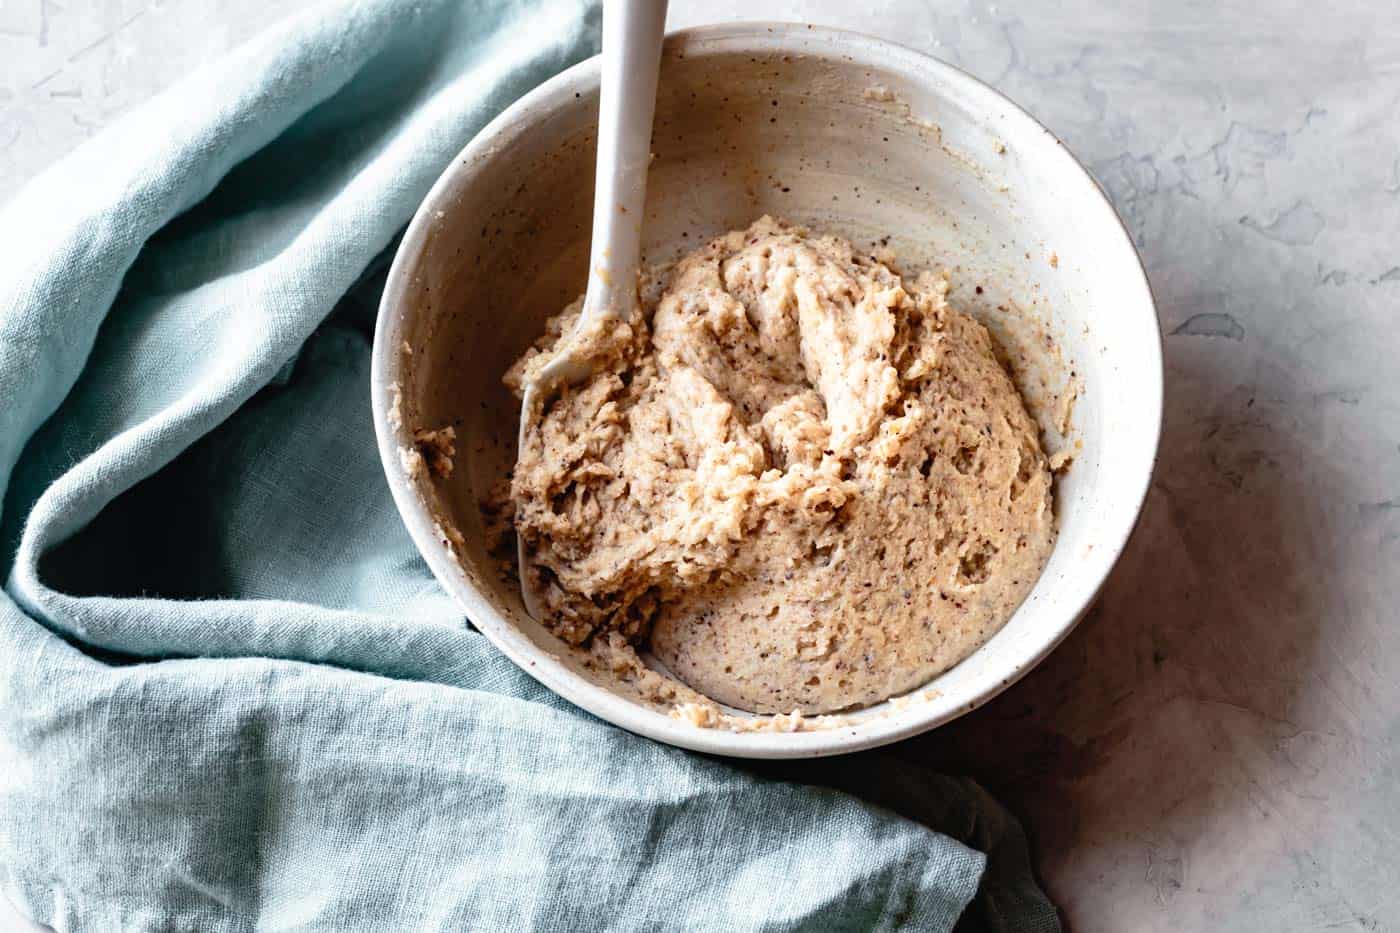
[{"x": 807, "y": 483}]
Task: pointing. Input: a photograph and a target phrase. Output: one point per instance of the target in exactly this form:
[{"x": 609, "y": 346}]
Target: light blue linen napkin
[{"x": 233, "y": 697}]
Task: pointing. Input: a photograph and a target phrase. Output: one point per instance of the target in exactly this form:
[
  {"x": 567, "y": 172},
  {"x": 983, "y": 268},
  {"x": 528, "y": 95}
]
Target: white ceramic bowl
[{"x": 839, "y": 131}]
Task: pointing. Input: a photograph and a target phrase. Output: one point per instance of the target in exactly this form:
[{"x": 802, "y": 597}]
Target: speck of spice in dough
[{"x": 802, "y": 480}]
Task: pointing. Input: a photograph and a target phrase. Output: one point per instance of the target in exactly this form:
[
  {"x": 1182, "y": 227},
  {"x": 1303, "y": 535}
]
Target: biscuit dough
[{"x": 805, "y": 484}]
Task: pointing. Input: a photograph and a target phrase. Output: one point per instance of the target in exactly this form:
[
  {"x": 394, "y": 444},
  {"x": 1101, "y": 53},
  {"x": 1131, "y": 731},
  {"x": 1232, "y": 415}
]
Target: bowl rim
[{"x": 387, "y": 366}]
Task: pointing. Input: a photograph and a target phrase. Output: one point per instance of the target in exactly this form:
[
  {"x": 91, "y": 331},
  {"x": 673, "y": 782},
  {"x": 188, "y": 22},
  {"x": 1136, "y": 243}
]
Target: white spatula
[{"x": 632, "y": 32}]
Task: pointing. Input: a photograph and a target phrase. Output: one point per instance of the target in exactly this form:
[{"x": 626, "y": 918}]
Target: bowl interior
[{"x": 845, "y": 134}]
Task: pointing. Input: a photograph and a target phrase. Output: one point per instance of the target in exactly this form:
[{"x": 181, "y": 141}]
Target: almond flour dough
[{"x": 806, "y": 484}]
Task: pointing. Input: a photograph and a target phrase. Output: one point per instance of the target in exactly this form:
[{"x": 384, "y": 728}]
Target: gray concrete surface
[{"x": 1215, "y": 747}]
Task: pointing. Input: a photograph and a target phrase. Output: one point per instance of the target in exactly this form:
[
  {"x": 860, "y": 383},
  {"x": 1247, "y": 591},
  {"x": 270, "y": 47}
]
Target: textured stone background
[{"x": 1215, "y": 747}]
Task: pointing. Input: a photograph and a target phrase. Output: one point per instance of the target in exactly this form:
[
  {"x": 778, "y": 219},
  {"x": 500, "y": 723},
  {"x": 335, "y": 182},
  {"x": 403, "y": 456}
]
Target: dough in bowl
[{"x": 804, "y": 482}]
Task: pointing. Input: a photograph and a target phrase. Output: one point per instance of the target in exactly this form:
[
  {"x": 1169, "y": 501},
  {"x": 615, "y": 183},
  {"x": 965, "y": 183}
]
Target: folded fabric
[{"x": 233, "y": 697}]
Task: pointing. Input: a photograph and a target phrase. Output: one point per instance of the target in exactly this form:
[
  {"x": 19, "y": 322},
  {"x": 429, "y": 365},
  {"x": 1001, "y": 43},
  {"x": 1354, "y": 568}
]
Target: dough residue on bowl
[{"x": 802, "y": 482}]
